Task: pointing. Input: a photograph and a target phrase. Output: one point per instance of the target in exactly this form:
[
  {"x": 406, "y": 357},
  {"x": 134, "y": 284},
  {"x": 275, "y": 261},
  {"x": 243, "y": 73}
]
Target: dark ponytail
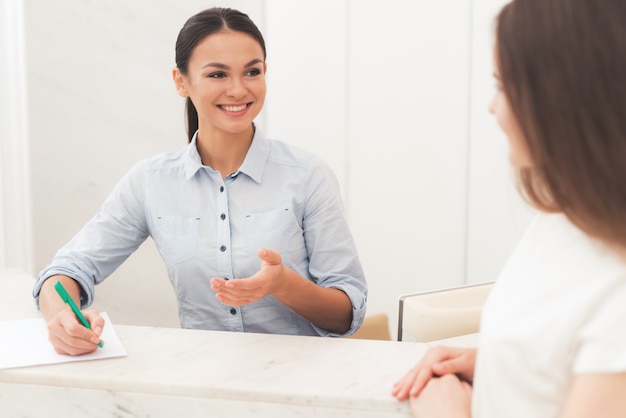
[
  {"x": 191, "y": 118},
  {"x": 195, "y": 30}
]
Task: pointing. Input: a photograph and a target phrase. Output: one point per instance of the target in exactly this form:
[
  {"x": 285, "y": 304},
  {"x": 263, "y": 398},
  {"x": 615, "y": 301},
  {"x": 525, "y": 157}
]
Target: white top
[{"x": 557, "y": 310}]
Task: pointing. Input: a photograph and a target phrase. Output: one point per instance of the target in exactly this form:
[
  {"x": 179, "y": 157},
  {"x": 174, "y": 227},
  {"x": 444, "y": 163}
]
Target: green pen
[{"x": 67, "y": 299}]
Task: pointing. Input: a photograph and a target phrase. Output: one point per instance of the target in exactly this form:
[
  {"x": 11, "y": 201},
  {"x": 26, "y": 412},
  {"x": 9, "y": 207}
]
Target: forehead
[{"x": 226, "y": 47}]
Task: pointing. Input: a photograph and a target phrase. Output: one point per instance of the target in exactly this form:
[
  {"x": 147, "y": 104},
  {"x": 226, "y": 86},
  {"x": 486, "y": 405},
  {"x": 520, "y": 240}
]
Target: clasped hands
[{"x": 439, "y": 385}]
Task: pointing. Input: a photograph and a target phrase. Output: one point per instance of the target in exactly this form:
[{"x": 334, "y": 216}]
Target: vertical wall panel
[
  {"x": 496, "y": 215},
  {"x": 15, "y": 208},
  {"x": 409, "y": 66},
  {"x": 306, "y": 99}
]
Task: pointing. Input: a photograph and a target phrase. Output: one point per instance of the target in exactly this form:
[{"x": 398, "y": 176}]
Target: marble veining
[{"x": 171, "y": 369}]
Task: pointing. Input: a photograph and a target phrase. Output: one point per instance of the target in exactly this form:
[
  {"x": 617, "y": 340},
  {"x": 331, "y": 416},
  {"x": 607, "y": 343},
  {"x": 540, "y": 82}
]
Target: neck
[{"x": 224, "y": 151}]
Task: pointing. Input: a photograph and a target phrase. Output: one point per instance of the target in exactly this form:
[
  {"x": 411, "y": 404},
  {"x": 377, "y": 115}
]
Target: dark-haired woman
[
  {"x": 552, "y": 340},
  {"x": 252, "y": 230}
]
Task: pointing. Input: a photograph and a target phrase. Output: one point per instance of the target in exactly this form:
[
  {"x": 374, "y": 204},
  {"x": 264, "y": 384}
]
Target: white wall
[
  {"x": 496, "y": 216},
  {"x": 393, "y": 95},
  {"x": 15, "y": 226}
]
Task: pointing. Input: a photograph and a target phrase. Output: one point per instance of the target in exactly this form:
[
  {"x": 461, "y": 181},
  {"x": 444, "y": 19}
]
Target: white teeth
[{"x": 234, "y": 108}]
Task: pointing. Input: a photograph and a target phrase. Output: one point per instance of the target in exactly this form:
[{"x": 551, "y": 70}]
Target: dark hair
[
  {"x": 199, "y": 27},
  {"x": 563, "y": 66}
]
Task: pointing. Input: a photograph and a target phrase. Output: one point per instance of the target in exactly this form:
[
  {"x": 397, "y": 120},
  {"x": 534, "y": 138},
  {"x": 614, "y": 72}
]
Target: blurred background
[{"x": 393, "y": 95}]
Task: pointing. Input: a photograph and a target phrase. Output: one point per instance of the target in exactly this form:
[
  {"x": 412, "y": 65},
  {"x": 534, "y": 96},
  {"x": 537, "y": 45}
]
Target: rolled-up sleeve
[
  {"x": 108, "y": 239},
  {"x": 334, "y": 261}
]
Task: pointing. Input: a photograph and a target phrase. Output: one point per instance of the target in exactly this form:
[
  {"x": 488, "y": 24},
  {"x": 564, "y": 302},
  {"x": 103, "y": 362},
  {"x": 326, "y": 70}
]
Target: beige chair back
[
  {"x": 375, "y": 327},
  {"x": 443, "y": 313}
]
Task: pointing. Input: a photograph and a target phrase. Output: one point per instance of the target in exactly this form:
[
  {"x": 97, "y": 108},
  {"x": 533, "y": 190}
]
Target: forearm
[
  {"x": 327, "y": 308},
  {"x": 50, "y": 302}
]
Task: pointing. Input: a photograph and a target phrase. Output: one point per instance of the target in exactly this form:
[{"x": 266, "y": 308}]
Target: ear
[{"x": 180, "y": 82}]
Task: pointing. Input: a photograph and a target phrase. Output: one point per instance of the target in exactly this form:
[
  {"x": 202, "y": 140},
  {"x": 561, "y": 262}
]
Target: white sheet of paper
[{"x": 24, "y": 342}]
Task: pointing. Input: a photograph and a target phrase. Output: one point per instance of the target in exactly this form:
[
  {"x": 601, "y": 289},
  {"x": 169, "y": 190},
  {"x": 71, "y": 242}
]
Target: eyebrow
[{"x": 226, "y": 67}]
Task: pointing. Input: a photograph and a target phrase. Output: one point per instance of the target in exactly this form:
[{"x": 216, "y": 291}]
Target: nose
[
  {"x": 492, "y": 104},
  {"x": 236, "y": 88}
]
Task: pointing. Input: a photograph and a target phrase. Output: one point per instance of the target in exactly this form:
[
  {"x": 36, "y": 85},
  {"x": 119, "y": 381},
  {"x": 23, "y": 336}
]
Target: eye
[
  {"x": 218, "y": 74},
  {"x": 253, "y": 72}
]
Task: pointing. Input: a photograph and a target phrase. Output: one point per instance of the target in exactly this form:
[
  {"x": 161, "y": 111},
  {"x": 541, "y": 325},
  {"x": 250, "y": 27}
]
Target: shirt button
[
  {"x": 221, "y": 189},
  {"x": 223, "y": 248},
  {"x": 223, "y": 216},
  {"x": 233, "y": 311}
]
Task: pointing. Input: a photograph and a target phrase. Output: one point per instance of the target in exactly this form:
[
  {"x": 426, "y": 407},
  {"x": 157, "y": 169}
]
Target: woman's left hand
[
  {"x": 443, "y": 397},
  {"x": 269, "y": 280}
]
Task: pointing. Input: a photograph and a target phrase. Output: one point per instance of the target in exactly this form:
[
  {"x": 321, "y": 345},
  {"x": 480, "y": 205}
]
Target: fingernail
[
  {"x": 98, "y": 331},
  {"x": 94, "y": 340}
]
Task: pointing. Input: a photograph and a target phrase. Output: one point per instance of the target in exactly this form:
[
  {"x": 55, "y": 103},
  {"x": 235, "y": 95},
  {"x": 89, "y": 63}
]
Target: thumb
[
  {"x": 270, "y": 256},
  {"x": 95, "y": 321},
  {"x": 446, "y": 367}
]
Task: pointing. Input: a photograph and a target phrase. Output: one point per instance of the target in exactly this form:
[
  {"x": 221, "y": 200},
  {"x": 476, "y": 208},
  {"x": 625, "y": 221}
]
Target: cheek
[
  {"x": 500, "y": 111},
  {"x": 518, "y": 151},
  {"x": 260, "y": 88}
]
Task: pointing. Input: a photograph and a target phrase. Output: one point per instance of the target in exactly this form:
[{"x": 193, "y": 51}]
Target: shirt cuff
[
  {"x": 357, "y": 299},
  {"x": 86, "y": 289}
]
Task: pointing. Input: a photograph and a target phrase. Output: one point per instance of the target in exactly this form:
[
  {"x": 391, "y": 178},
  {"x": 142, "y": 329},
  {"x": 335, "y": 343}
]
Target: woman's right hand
[
  {"x": 68, "y": 336},
  {"x": 65, "y": 332},
  {"x": 437, "y": 361}
]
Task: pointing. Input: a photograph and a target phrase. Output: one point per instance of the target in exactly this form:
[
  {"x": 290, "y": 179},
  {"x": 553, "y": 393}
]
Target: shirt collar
[
  {"x": 253, "y": 165},
  {"x": 256, "y": 158},
  {"x": 193, "y": 163}
]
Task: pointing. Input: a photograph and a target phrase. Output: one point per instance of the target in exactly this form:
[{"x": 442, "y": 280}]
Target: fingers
[
  {"x": 69, "y": 336},
  {"x": 237, "y": 292},
  {"x": 461, "y": 363},
  {"x": 437, "y": 361},
  {"x": 247, "y": 290},
  {"x": 412, "y": 383},
  {"x": 270, "y": 256},
  {"x": 95, "y": 321}
]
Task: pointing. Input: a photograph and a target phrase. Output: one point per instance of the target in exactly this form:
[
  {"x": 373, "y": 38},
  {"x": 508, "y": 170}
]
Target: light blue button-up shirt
[{"x": 281, "y": 198}]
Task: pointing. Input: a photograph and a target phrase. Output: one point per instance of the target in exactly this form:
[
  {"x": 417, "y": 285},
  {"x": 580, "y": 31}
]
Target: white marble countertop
[{"x": 352, "y": 375}]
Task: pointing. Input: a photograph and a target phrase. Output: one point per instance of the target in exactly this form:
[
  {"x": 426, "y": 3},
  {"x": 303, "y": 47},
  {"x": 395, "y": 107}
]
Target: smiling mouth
[{"x": 234, "y": 108}]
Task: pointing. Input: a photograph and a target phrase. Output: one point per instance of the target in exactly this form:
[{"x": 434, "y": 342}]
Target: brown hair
[
  {"x": 562, "y": 64},
  {"x": 198, "y": 27}
]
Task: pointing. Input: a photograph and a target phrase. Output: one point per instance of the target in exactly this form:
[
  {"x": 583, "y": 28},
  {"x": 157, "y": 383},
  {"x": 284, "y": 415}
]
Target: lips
[{"x": 237, "y": 108}]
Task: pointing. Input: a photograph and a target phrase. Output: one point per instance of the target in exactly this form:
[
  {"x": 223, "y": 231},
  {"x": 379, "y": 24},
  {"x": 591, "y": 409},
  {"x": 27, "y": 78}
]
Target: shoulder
[
  {"x": 283, "y": 153},
  {"x": 160, "y": 162}
]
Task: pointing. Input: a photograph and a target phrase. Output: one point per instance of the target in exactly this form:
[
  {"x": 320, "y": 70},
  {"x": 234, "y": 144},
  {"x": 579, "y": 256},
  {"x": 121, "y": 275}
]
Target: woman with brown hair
[{"x": 552, "y": 340}]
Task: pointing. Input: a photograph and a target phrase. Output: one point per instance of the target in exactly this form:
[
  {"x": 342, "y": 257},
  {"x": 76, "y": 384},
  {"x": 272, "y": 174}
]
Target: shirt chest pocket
[
  {"x": 176, "y": 238},
  {"x": 278, "y": 230}
]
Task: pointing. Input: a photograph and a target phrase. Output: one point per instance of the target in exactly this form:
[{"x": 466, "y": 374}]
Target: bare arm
[
  {"x": 443, "y": 397},
  {"x": 327, "y": 308},
  {"x": 597, "y": 395},
  {"x": 66, "y": 334}
]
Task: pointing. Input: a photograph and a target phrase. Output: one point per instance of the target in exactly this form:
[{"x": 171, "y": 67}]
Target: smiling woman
[
  {"x": 342, "y": 82},
  {"x": 224, "y": 83},
  {"x": 205, "y": 205}
]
